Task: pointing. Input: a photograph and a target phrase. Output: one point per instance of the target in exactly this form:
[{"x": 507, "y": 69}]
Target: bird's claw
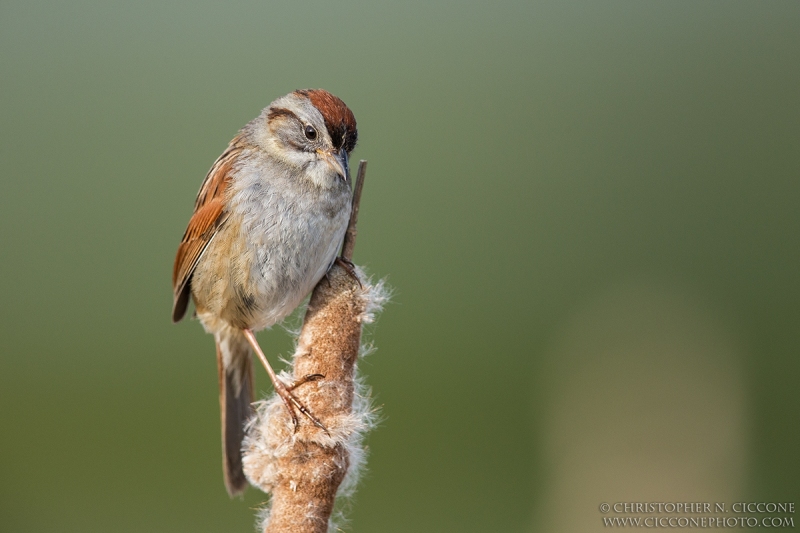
[
  {"x": 292, "y": 403},
  {"x": 350, "y": 268}
]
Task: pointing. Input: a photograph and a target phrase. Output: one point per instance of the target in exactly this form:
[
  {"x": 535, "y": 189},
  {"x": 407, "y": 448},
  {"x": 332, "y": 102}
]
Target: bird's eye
[{"x": 311, "y": 133}]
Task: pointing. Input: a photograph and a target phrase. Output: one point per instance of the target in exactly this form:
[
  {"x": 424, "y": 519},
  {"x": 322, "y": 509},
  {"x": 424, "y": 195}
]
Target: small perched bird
[{"x": 268, "y": 223}]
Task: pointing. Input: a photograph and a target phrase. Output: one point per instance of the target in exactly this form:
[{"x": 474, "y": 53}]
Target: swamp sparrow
[{"x": 268, "y": 222}]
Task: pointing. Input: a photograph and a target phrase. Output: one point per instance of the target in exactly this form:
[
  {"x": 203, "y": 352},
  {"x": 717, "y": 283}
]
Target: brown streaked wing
[{"x": 208, "y": 216}]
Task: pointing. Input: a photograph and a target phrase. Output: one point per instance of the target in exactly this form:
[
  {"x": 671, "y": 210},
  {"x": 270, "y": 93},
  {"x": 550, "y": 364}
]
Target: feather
[{"x": 208, "y": 216}]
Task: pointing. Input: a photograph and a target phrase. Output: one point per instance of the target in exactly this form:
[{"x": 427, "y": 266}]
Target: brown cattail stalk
[{"x": 304, "y": 468}]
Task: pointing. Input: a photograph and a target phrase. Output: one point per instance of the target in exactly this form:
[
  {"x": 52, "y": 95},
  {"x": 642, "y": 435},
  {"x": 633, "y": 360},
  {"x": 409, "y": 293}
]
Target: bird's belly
[
  {"x": 286, "y": 270},
  {"x": 254, "y": 277}
]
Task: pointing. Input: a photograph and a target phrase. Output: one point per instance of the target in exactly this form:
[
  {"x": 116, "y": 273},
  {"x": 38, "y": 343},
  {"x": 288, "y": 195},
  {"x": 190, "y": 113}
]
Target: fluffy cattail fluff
[{"x": 305, "y": 469}]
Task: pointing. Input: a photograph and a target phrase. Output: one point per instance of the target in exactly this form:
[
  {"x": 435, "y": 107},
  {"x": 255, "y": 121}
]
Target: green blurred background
[{"x": 589, "y": 212}]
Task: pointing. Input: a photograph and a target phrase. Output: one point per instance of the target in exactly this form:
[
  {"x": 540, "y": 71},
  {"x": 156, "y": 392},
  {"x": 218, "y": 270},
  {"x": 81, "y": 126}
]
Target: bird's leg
[
  {"x": 281, "y": 389},
  {"x": 349, "y": 267}
]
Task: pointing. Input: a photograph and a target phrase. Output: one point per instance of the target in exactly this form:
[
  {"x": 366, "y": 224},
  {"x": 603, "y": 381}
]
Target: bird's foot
[
  {"x": 350, "y": 268},
  {"x": 282, "y": 390},
  {"x": 293, "y": 403}
]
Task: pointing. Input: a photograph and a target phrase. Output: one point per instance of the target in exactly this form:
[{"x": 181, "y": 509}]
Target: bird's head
[{"x": 310, "y": 130}]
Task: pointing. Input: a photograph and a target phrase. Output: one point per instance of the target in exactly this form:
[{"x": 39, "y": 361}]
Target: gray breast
[{"x": 293, "y": 234}]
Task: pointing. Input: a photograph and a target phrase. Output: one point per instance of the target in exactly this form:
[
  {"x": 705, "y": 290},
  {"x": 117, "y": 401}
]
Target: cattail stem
[{"x": 304, "y": 467}]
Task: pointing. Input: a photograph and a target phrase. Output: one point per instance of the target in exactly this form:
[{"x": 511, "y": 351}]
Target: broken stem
[{"x": 352, "y": 230}]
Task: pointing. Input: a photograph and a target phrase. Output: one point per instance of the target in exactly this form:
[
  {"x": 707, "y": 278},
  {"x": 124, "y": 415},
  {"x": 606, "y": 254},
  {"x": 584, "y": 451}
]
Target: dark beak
[
  {"x": 337, "y": 160},
  {"x": 344, "y": 163}
]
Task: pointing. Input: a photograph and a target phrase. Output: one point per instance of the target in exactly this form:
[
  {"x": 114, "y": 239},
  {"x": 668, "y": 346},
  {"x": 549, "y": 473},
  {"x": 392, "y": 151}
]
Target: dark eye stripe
[{"x": 280, "y": 112}]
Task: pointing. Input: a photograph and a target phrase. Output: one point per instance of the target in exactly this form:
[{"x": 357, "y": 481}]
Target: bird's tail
[{"x": 236, "y": 393}]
